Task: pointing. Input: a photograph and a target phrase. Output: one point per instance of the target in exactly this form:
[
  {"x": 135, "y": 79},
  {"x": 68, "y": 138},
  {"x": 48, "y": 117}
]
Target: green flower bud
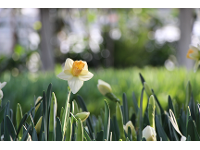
[
  {"x": 104, "y": 87},
  {"x": 83, "y": 116},
  {"x": 151, "y": 111}
]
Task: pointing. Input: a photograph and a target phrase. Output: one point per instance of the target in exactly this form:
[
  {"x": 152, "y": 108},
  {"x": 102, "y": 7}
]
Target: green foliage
[{"x": 44, "y": 124}]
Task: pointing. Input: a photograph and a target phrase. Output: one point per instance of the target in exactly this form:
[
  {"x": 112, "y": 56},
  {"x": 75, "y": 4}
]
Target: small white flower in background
[
  {"x": 104, "y": 87},
  {"x": 149, "y": 133},
  {"x": 194, "y": 53},
  {"x": 175, "y": 125},
  {"x": 1, "y": 86},
  {"x": 75, "y": 72},
  {"x": 133, "y": 132}
]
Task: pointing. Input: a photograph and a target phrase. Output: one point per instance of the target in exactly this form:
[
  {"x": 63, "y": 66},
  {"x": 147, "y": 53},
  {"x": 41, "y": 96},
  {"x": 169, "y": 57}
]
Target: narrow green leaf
[
  {"x": 39, "y": 112},
  {"x": 2, "y": 110},
  {"x": 192, "y": 130},
  {"x": 188, "y": 93},
  {"x": 120, "y": 121},
  {"x": 86, "y": 135},
  {"x": 135, "y": 104},
  {"x": 170, "y": 105},
  {"x": 52, "y": 121},
  {"x": 45, "y": 116},
  {"x": 125, "y": 109},
  {"x": 6, "y": 130},
  {"x": 48, "y": 96},
  {"x": 189, "y": 138},
  {"x": 21, "y": 123},
  {"x": 88, "y": 121},
  {"x": 65, "y": 115},
  {"x": 25, "y": 135},
  {"x": 68, "y": 133},
  {"x": 142, "y": 79},
  {"x": 141, "y": 119},
  {"x": 34, "y": 135},
  {"x": 160, "y": 131},
  {"x": 76, "y": 110},
  {"x": 198, "y": 118},
  {"x": 192, "y": 107},
  {"x": 19, "y": 117},
  {"x": 10, "y": 127},
  {"x": 61, "y": 113},
  {"x": 58, "y": 130},
  {"x": 106, "y": 121},
  {"x": 79, "y": 130},
  {"x": 99, "y": 136}
]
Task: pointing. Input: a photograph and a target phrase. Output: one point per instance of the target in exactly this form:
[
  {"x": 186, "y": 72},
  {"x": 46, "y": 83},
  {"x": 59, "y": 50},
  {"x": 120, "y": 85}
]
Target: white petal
[
  {"x": 1, "y": 94},
  {"x": 2, "y": 85},
  {"x": 195, "y": 49},
  {"x": 68, "y": 64},
  {"x": 86, "y": 77},
  {"x": 196, "y": 65},
  {"x": 65, "y": 76},
  {"x": 85, "y": 66},
  {"x": 183, "y": 138},
  {"x": 75, "y": 84}
]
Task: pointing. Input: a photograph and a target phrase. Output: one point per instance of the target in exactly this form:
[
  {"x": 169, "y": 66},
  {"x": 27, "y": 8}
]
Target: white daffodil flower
[
  {"x": 104, "y": 87},
  {"x": 149, "y": 133},
  {"x": 75, "y": 72},
  {"x": 175, "y": 125},
  {"x": 194, "y": 53},
  {"x": 1, "y": 86}
]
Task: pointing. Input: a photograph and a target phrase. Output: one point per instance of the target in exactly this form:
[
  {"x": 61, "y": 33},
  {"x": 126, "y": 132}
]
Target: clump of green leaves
[{"x": 75, "y": 123}]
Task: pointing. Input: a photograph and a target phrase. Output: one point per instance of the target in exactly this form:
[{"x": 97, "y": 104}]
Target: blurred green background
[{"x": 117, "y": 44}]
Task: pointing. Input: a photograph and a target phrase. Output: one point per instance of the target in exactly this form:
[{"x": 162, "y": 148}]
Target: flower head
[
  {"x": 149, "y": 133},
  {"x": 75, "y": 72},
  {"x": 194, "y": 53}
]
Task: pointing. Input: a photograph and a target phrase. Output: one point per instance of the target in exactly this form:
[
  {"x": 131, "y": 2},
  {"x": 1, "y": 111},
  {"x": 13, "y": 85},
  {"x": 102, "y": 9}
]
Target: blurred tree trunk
[
  {"x": 46, "y": 51},
  {"x": 186, "y": 23}
]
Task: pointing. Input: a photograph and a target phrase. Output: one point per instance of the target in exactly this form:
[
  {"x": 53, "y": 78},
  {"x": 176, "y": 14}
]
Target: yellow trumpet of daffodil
[
  {"x": 194, "y": 53},
  {"x": 75, "y": 72}
]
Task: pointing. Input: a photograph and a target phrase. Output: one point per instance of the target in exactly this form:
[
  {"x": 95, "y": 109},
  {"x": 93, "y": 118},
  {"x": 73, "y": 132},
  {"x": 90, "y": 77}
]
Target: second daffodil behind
[
  {"x": 194, "y": 53},
  {"x": 75, "y": 72}
]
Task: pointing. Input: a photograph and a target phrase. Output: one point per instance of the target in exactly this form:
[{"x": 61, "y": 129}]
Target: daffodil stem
[{"x": 112, "y": 97}]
